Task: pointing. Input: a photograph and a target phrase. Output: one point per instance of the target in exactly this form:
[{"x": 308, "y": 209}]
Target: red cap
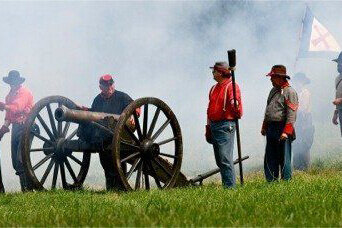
[{"x": 106, "y": 80}]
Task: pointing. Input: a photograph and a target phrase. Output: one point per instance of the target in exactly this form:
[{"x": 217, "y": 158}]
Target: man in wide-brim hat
[
  {"x": 13, "y": 78},
  {"x": 337, "y": 116},
  {"x": 304, "y": 126},
  {"x": 278, "y": 125},
  {"x": 17, "y": 105}
]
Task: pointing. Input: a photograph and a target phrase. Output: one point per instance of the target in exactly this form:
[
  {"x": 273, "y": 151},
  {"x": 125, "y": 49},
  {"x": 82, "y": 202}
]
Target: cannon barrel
[{"x": 78, "y": 116}]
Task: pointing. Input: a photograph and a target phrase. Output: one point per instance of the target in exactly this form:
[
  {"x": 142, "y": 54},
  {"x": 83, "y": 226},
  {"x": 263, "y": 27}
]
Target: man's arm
[
  {"x": 264, "y": 123},
  {"x": 4, "y": 129},
  {"x": 230, "y": 101},
  {"x": 291, "y": 101},
  {"x": 335, "y": 117}
]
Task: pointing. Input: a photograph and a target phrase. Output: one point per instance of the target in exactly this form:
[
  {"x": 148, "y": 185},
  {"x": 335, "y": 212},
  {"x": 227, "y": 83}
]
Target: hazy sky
[{"x": 164, "y": 49}]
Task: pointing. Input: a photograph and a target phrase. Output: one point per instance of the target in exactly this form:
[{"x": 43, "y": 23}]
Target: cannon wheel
[
  {"x": 150, "y": 164},
  {"x": 51, "y": 148}
]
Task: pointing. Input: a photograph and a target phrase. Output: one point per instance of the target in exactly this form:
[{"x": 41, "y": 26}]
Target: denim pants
[
  {"x": 17, "y": 131},
  {"x": 277, "y": 154},
  {"x": 223, "y": 133}
]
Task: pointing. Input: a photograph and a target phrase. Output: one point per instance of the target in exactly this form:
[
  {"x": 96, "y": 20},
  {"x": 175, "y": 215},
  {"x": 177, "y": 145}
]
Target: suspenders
[
  {"x": 338, "y": 83},
  {"x": 225, "y": 94}
]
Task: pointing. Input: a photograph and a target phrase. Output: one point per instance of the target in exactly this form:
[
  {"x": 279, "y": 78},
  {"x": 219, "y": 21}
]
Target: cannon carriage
[
  {"x": 146, "y": 146},
  {"x": 147, "y": 149}
]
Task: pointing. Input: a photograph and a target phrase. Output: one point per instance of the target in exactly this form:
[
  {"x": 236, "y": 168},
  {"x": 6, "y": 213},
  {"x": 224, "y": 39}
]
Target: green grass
[{"x": 310, "y": 199}]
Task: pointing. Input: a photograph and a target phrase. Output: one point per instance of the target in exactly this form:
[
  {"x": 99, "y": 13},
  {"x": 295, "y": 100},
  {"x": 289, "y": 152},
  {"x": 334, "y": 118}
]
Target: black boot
[
  {"x": 2, "y": 188},
  {"x": 110, "y": 183},
  {"x": 24, "y": 183}
]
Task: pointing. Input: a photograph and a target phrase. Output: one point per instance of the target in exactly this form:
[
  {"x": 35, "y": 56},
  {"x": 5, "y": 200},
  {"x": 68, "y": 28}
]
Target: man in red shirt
[
  {"x": 17, "y": 105},
  {"x": 221, "y": 113}
]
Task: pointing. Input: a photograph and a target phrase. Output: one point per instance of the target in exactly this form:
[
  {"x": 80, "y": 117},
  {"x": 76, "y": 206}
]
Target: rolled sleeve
[
  {"x": 291, "y": 101},
  {"x": 237, "y": 110}
]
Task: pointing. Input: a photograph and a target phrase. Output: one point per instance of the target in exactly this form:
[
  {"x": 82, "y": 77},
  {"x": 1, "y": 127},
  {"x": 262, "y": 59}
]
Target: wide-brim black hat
[
  {"x": 339, "y": 58},
  {"x": 301, "y": 77},
  {"x": 13, "y": 78}
]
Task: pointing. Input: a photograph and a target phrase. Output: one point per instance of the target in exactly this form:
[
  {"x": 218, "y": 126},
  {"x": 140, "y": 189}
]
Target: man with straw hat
[
  {"x": 17, "y": 105},
  {"x": 278, "y": 125}
]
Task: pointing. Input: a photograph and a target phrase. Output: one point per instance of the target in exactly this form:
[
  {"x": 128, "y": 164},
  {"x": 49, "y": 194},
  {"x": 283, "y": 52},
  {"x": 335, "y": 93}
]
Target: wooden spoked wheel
[
  {"x": 153, "y": 151},
  {"x": 47, "y": 163}
]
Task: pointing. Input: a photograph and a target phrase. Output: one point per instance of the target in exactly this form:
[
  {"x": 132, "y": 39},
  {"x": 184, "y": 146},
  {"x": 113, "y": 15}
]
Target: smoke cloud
[{"x": 164, "y": 49}]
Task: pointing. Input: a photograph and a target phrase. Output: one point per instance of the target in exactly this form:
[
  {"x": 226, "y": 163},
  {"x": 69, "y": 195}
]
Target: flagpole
[{"x": 299, "y": 38}]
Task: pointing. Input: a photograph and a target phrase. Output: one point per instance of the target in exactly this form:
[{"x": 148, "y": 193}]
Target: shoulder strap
[
  {"x": 212, "y": 90},
  {"x": 338, "y": 83},
  {"x": 225, "y": 94},
  {"x": 271, "y": 97}
]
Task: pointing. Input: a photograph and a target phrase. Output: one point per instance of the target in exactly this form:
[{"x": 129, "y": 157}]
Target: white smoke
[{"x": 164, "y": 49}]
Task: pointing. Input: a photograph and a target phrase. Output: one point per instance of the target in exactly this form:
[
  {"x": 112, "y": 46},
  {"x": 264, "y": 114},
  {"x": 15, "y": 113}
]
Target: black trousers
[
  {"x": 106, "y": 160},
  {"x": 17, "y": 162},
  {"x": 2, "y": 188},
  {"x": 277, "y": 154}
]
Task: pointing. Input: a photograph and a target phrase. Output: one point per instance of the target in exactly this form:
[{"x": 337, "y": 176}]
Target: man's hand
[
  {"x": 81, "y": 107},
  {"x": 208, "y": 136},
  {"x": 2, "y": 106},
  {"x": 3, "y": 131},
  {"x": 334, "y": 119},
  {"x": 263, "y": 132},
  {"x": 263, "y": 128},
  {"x": 337, "y": 101},
  {"x": 131, "y": 121},
  {"x": 283, "y": 137}
]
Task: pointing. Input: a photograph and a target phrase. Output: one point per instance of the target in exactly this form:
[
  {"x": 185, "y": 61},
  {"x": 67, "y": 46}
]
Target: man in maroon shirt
[
  {"x": 17, "y": 105},
  {"x": 109, "y": 100},
  {"x": 221, "y": 115}
]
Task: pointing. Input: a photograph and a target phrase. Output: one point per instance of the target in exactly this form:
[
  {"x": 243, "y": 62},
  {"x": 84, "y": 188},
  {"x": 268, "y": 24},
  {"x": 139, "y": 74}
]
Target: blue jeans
[
  {"x": 223, "y": 133},
  {"x": 17, "y": 131},
  {"x": 17, "y": 162},
  {"x": 278, "y": 154}
]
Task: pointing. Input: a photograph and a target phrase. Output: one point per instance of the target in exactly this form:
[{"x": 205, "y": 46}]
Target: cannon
[{"x": 146, "y": 146}]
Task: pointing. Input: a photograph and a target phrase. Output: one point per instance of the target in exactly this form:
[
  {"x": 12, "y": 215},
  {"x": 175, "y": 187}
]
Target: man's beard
[{"x": 108, "y": 92}]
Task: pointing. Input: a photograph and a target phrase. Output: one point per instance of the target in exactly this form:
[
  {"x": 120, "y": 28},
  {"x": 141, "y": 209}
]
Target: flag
[{"x": 316, "y": 41}]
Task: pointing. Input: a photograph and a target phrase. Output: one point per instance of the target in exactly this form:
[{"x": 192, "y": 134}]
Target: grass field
[{"x": 312, "y": 198}]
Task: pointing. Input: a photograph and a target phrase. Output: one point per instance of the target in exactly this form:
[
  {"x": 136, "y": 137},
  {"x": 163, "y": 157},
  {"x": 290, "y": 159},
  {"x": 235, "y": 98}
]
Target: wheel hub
[
  {"x": 46, "y": 151},
  {"x": 61, "y": 152},
  {"x": 149, "y": 149}
]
